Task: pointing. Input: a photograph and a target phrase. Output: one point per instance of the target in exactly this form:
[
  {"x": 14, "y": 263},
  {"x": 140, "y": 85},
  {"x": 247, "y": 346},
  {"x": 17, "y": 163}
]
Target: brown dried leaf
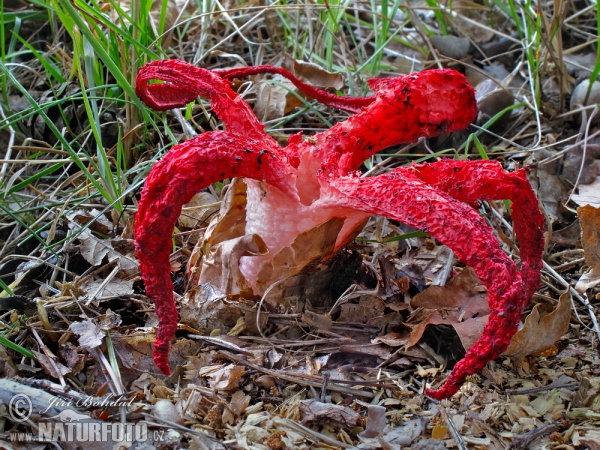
[
  {"x": 463, "y": 303},
  {"x": 75, "y": 360},
  {"x": 319, "y": 321},
  {"x": 313, "y": 74},
  {"x": 369, "y": 307},
  {"x": 551, "y": 191},
  {"x": 540, "y": 333},
  {"x": 392, "y": 339},
  {"x": 589, "y": 218},
  {"x": 135, "y": 353},
  {"x": 231, "y": 220},
  {"x": 98, "y": 222},
  {"x": 7, "y": 366}
]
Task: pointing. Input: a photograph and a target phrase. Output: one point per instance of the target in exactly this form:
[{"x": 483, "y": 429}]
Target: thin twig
[{"x": 460, "y": 443}]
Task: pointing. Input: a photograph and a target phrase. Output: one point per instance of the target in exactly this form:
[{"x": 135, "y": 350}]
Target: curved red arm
[
  {"x": 471, "y": 181},
  {"x": 405, "y": 109},
  {"x": 182, "y": 83},
  {"x": 402, "y": 196},
  {"x": 185, "y": 170}
]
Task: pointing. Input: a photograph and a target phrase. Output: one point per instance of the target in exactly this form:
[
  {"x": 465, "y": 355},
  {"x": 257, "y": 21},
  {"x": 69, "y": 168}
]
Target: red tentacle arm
[
  {"x": 181, "y": 83},
  {"x": 471, "y": 181},
  {"x": 402, "y": 196},
  {"x": 350, "y": 104},
  {"x": 185, "y": 170},
  {"x": 406, "y": 108}
]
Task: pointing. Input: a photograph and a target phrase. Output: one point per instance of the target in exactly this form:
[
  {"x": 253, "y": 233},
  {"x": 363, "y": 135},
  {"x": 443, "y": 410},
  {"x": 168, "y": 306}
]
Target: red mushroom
[{"x": 294, "y": 189}]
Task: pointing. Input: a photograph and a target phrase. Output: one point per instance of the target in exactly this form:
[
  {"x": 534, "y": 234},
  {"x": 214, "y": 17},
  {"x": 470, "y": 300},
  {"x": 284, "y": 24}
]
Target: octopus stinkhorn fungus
[{"x": 293, "y": 189}]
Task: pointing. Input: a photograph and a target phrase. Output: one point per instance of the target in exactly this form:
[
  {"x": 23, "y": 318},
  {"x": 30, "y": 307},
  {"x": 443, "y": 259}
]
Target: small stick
[{"x": 460, "y": 443}]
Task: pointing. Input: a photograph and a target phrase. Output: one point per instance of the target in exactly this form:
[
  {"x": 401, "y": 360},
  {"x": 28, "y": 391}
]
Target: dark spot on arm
[{"x": 260, "y": 155}]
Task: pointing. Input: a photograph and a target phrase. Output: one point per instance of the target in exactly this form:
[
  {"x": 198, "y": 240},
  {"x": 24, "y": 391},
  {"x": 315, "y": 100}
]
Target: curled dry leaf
[
  {"x": 589, "y": 218},
  {"x": 541, "y": 331},
  {"x": 74, "y": 359},
  {"x": 274, "y": 100},
  {"x": 462, "y": 304},
  {"x": 205, "y": 309}
]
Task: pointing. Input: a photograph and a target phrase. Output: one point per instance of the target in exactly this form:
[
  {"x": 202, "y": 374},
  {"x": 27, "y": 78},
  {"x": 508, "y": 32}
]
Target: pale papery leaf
[
  {"x": 271, "y": 99},
  {"x": 589, "y": 194},
  {"x": 90, "y": 335}
]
